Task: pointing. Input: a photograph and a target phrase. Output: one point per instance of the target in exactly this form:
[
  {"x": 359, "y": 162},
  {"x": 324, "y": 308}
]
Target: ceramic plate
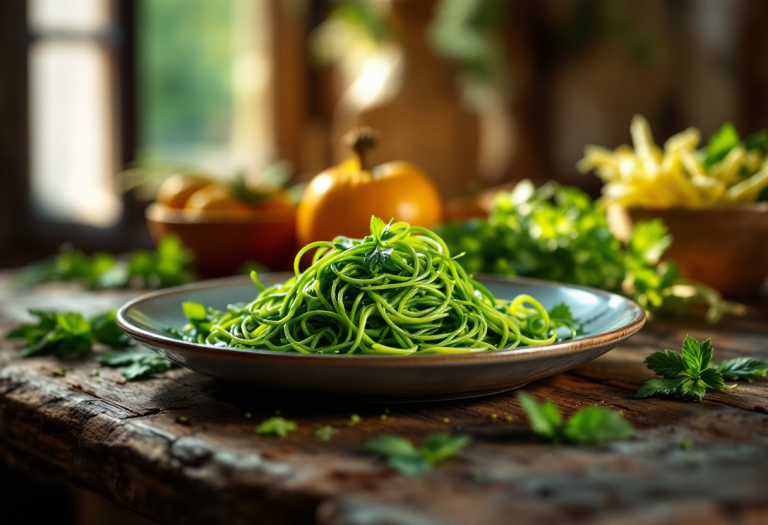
[{"x": 609, "y": 319}]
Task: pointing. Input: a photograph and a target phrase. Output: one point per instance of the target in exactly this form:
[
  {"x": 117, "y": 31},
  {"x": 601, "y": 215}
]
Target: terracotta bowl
[
  {"x": 222, "y": 243},
  {"x": 725, "y": 247}
]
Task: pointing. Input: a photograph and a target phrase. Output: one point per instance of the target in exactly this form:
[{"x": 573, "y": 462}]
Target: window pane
[
  {"x": 68, "y": 15},
  {"x": 71, "y": 133},
  {"x": 204, "y": 73}
]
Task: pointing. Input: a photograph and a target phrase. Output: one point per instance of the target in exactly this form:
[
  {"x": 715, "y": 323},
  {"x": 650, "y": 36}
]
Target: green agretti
[{"x": 395, "y": 292}]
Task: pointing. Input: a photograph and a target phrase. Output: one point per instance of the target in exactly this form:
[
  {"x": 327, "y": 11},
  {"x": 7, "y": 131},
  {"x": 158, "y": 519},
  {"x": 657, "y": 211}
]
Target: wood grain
[{"x": 122, "y": 441}]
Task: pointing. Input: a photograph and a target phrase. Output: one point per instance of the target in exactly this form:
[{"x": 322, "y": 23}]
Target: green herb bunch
[
  {"x": 558, "y": 233},
  {"x": 689, "y": 375},
  {"x": 589, "y": 425},
  {"x": 168, "y": 266},
  {"x": 68, "y": 334},
  {"x": 137, "y": 364},
  {"x": 405, "y": 458}
]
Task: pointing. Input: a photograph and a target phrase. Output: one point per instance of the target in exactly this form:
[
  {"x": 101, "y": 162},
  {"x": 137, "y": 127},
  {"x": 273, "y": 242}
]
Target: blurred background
[{"x": 477, "y": 92}]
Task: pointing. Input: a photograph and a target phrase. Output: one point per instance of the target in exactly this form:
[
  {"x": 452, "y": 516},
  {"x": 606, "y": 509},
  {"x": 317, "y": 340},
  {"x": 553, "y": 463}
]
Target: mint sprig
[
  {"x": 690, "y": 375},
  {"x": 587, "y": 426},
  {"x": 138, "y": 364}
]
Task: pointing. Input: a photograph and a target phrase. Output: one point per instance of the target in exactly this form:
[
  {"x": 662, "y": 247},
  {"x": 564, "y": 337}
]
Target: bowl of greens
[
  {"x": 393, "y": 315},
  {"x": 713, "y": 200}
]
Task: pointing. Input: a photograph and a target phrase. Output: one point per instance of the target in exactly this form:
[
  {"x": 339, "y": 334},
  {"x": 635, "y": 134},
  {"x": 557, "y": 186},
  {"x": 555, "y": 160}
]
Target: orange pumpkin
[{"x": 341, "y": 200}]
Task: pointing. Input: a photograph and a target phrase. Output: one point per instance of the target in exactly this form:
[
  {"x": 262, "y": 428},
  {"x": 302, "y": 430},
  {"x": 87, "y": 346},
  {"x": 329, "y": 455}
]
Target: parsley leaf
[
  {"x": 68, "y": 334},
  {"x": 406, "y": 459},
  {"x": 652, "y": 387},
  {"x": 667, "y": 364},
  {"x": 544, "y": 417},
  {"x": 167, "y": 266},
  {"x": 325, "y": 433},
  {"x": 588, "y": 425},
  {"x": 276, "y": 426},
  {"x": 595, "y": 425},
  {"x": 688, "y": 375},
  {"x": 742, "y": 368},
  {"x": 138, "y": 363},
  {"x": 106, "y": 330}
]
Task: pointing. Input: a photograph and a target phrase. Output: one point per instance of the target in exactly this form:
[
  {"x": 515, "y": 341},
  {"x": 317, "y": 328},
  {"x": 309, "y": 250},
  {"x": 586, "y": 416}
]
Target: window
[{"x": 73, "y": 156}]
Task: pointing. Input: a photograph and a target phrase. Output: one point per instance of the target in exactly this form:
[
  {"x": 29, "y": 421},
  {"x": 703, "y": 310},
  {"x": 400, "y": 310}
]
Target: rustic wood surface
[{"x": 122, "y": 440}]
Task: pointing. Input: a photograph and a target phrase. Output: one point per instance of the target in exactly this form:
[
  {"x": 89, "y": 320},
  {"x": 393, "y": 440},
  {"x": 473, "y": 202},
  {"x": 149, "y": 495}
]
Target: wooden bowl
[
  {"x": 725, "y": 247},
  {"x": 222, "y": 242}
]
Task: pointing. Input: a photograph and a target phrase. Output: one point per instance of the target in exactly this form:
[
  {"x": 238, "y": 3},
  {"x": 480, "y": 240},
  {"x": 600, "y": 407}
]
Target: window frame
[{"x": 26, "y": 234}]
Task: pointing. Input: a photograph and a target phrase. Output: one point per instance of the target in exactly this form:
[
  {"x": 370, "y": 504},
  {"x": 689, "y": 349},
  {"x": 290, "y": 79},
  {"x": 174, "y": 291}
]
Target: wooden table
[{"x": 122, "y": 440}]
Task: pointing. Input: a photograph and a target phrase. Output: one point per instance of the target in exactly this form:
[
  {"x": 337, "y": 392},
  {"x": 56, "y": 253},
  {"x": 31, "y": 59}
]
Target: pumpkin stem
[{"x": 362, "y": 140}]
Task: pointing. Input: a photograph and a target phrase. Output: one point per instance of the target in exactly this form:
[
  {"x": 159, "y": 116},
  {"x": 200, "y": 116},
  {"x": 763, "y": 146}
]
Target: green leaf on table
[
  {"x": 389, "y": 445},
  {"x": 690, "y": 375},
  {"x": 33, "y": 332},
  {"x": 596, "y": 425},
  {"x": 544, "y": 417},
  {"x": 325, "y": 433},
  {"x": 410, "y": 464},
  {"x": 659, "y": 387},
  {"x": 403, "y": 457},
  {"x": 138, "y": 364},
  {"x": 742, "y": 369},
  {"x": 588, "y": 425},
  {"x": 692, "y": 390},
  {"x": 55, "y": 333},
  {"x": 106, "y": 330},
  {"x": 276, "y": 426},
  {"x": 666, "y": 364},
  {"x": 696, "y": 355},
  {"x": 441, "y": 446}
]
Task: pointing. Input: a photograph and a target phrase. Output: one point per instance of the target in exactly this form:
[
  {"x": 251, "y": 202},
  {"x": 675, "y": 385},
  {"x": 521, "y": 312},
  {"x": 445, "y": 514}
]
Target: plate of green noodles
[{"x": 392, "y": 316}]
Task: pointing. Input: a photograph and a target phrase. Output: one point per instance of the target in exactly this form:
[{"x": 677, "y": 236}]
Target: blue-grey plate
[{"x": 609, "y": 319}]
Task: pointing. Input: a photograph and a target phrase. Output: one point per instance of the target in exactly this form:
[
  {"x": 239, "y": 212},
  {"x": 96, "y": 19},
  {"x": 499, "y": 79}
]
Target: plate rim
[{"x": 524, "y": 353}]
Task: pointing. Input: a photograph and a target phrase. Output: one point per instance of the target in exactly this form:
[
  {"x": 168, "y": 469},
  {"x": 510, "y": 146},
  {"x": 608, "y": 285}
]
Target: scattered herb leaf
[
  {"x": 587, "y": 426},
  {"x": 138, "y": 364},
  {"x": 67, "y": 334},
  {"x": 276, "y": 426},
  {"x": 184, "y": 420},
  {"x": 354, "y": 419},
  {"x": 689, "y": 374},
  {"x": 325, "y": 433},
  {"x": 406, "y": 459},
  {"x": 742, "y": 369},
  {"x": 168, "y": 266}
]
